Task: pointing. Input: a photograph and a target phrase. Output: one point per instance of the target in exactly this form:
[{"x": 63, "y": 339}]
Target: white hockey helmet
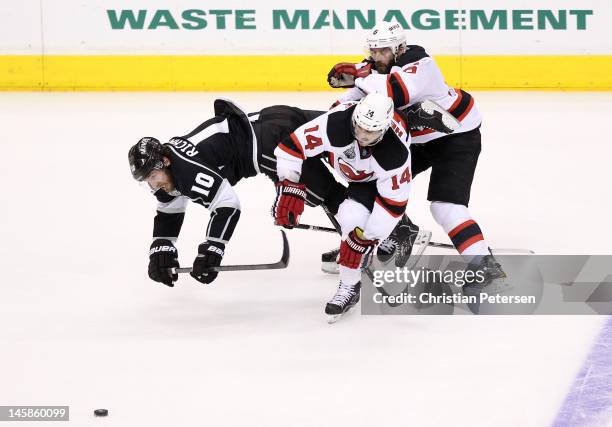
[
  {"x": 386, "y": 34},
  {"x": 371, "y": 118}
]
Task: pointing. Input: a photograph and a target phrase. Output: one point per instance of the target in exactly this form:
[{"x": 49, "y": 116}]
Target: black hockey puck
[{"x": 101, "y": 412}]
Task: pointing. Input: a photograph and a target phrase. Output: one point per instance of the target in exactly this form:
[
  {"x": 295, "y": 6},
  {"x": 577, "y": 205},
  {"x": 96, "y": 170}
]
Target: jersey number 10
[{"x": 205, "y": 181}]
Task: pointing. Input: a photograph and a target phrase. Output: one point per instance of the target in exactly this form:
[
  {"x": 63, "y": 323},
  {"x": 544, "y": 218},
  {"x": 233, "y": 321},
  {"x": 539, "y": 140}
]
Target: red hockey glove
[
  {"x": 289, "y": 203},
  {"x": 345, "y": 73},
  {"x": 356, "y": 251}
]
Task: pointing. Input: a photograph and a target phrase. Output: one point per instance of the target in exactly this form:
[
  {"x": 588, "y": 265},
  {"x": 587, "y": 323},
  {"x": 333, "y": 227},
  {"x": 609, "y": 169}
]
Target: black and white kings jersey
[{"x": 208, "y": 161}]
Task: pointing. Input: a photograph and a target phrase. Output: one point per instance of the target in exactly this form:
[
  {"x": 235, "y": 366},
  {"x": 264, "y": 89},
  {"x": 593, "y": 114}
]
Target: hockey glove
[
  {"x": 209, "y": 256},
  {"x": 356, "y": 251},
  {"x": 163, "y": 256},
  {"x": 345, "y": 73},
  {"x": 289, "y": 203}
]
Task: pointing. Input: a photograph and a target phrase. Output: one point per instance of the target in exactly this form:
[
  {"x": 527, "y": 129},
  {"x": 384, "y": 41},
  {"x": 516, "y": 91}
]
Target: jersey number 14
[{"x": 404, "y": 178}]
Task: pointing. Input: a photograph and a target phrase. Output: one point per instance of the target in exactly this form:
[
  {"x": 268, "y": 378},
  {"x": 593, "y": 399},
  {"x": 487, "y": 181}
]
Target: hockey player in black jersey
[
  {"x": 368, "y": 144},
  {"x": 202, "y": 167}
]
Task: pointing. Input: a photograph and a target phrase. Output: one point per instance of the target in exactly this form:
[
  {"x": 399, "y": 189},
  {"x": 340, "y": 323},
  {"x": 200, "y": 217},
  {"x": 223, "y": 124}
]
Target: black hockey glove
[
  {"x": 163, "y": 256},
  {"x": 209, "y": 256}
]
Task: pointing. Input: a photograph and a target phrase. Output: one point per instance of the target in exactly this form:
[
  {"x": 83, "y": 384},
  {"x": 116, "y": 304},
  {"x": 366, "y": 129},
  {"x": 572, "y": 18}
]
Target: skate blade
[{"x": 333, "y": 318}]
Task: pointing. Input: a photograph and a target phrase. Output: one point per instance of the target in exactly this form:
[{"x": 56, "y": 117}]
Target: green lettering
[
  {"x": 432, "y": 21},
  {"x": 398, "y": 16},
  {"x": 337, "y": 22},
  {"x": 193, "y": 19},
  {"x": 321, "y": 20},
  {"x": 242, "y": 20},
  {"x": 220, "y": 15},
  {"x": 556, "y": 23},
  {"x": 300, "y": 16},
  {"x": 118, "y": 22},
  {"x": 353, "y": 15},
  {"x": 480, "y": 16},
  {"x": 581, "y": 18},
  {"x": 521, "y": 22},
  {"x": 163, "y": 18},
  {"x": 451, "y": 19}
]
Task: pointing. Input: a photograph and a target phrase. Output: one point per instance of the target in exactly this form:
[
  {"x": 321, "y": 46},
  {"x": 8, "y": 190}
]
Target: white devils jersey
[
  {"x": 416, "y": 77},
  {"x": 387, "y": 163}
]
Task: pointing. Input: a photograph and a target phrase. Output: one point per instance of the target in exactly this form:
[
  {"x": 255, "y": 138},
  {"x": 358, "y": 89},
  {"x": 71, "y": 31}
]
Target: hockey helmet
[
  {"x": 371, "y": 118},
  {"x": 145, "y": 156},
  {"x": 386, "y": 34}
]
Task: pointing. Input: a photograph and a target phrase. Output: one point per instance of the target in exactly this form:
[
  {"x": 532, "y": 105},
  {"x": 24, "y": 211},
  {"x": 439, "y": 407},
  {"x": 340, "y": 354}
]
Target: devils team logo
[{"x": 351, "y": 173}]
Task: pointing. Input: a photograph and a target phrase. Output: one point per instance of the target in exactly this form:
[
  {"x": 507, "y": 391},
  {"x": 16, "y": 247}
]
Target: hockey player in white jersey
[
  {"x": 408, "y": 75},
  {"x": 368, "y": 144}
]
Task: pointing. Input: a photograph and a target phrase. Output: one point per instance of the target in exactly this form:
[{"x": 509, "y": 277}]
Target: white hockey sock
[
  {"x": 350, "y": 276},
  {"x": 460, "y": 227}
]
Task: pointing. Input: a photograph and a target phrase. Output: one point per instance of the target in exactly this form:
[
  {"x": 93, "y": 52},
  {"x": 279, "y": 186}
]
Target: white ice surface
[{"x": 82, "y": 325}]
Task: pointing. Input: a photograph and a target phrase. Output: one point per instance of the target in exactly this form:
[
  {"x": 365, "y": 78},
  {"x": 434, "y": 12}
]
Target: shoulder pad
[
  {"x": 413, "y": 53},
  {"x": 339, "y": 127},
  {"x": 390, "y": 153}
]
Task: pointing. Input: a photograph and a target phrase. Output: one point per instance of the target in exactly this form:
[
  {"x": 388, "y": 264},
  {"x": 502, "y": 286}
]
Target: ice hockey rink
[{"x": 82, "y": 325}]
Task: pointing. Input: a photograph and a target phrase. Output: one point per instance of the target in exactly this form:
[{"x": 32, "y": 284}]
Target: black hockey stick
[
  {"x": 333, "y": 220},
  {"x": 283, "y": 263},
  {"x": 432, "y": 244},
  {"x": 315, "y": 228}
]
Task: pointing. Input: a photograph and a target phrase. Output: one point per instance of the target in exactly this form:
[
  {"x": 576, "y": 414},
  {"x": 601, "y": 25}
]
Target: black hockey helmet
[{"x": 145, "y": 156}]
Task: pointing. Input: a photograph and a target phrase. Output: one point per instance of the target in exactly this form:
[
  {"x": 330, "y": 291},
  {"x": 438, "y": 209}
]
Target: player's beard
[{"x": 382, "y": 68}]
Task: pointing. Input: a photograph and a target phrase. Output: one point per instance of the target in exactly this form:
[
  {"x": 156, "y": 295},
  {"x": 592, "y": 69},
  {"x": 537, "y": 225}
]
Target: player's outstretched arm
[
  {"x": 166, "y": 228},
  {"x": 225, "y": 213}
]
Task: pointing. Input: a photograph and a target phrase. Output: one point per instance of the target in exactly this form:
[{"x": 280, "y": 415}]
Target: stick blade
[{"x": 283, "y": 263}]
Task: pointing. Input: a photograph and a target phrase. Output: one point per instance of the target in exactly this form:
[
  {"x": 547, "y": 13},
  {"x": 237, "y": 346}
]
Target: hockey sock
[{"x": 463, "y": 231}]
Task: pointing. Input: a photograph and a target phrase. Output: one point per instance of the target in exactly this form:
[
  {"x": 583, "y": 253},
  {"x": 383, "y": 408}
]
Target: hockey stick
[
  {"x": 315, "y": 228},
  {"x": 432, "y": 244},
  {"x": 333, "y": 220},
  {"x": 283, "y": 263}
]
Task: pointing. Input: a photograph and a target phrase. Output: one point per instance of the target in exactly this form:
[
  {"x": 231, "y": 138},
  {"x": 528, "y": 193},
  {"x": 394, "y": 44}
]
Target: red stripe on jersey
[
  {"x": 460, "y": 227},
  {"x": 403, "y": 87},
  {"x": 457, "y": 101},
  {"x": 389, "y": 211},
  {"x": 469, "y": 242},
  {"x": 297, "y": 144},
  {"x": 400, "y": 120},
  {"x": 467, "y": 110},
  {"x": 394, "y": 203},
  {"x": 290, "y": 151},
  {"x": 389, "y": 88},
  {"x": 420, "y": 132},
  {"x": 331, "y": 159}
]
